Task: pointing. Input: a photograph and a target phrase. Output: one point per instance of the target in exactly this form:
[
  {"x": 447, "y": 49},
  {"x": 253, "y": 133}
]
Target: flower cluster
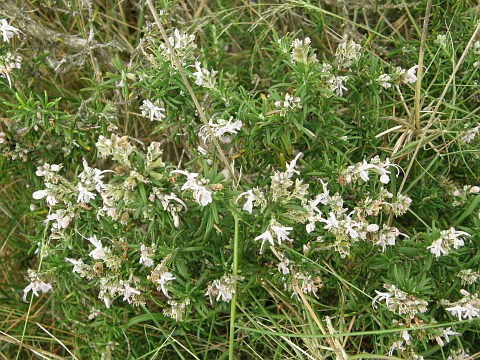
[
  {"x": 441, "y": 41},
  {"x": 363, "y": 169},
  {"x": 345, "y": 227},
  {"x": 469, "y": 135},
  {"x": 397, "y": 77},
  {"x": 90, "y": 195},
  {"x": 305, "y": 282},
  {"x": 348, "y": 53},
  {"x": 458, "y": 354},
  {"x": 335, "y": 84},
  {"x": 467, "y": 307},
  {"x": 254, "y": 197},
  {"x": 110, "y": 282},
  {"x": 385, "y": 81},
  {"x": 462, "y": 195},
  {"x": 371, "y": 204},
  {"x": 301, "y": 52},
  {"x": 222, "y": 129},
  {"x": 153, "y": 111},
  {"x": 161, "y": 277},
  {"x": 201, "y": 193},
  {"x": 290, "y": 103},
  {"x": 111, "y": 286},
  {"x": 8, "y": 63},
  {"x": 177, "y": 310},
  {"x": 118, "y": 148},
  {"x": 182, "y": 45},
  {"x": 468, "y": 276},
  {"x": 204, "y": 77},
  {"x": 400, "y": 302},
  {"x": 38, "y": 282},
  {"x": 223, "y": 288},
  {"x": 276, "y": 229},
  {"x": 448, "y": 239},
  {"x": 385, "y": 236}
]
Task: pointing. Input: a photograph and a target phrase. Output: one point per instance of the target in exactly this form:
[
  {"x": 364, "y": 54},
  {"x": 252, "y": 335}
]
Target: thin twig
[{"x": 418, "y": 85}]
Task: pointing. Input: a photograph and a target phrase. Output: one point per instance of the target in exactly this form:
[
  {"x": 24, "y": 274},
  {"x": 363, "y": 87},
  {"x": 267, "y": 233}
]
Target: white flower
[
  {"x": 448, "y": 239},
  {"x": 98, "y": 252},
  {"x": 222, "y": 128},
  {"x": 470, "y": 311},
  {"x": 364, "y": 169},
  {"x": 274, "y": 228},
  {"x": 35, "y": 286},
  {"x": 78, "y": 266},
  {"x": 8, "y": 63},
  {"x": 163, "y": 280},
  {"x": 248, "y": 206},
  {"x": 290, "y": 103},
  {"x": 381, "y": 168},
  {"x": 380, "y": 297},
  {"x": 464, "y": 311},
  {"x": 40, "y": 194},
  {"x": 437, "y": 248},
  {"x": 348, "y": 225},
  {"x": 458, "y": 354},
  {"x": 332, "y": 222},
  {"x": 144, "y": 259},
  {"x": 384, "y": 81},
  {"x": 411, "y": 75},
  {"x": 204, "y": 77},
  {"x": 91, "y": 176},
  {"x": 337, "y": 84},
  {"x": 152, "y": 110},
  {"x": 441, "y": 40},
  {"x": 266, "y": 236},
  {"x": 8, "y": 31},
  {"x": 386, "y": 236},
  {"x": 281, "y": 232},
  {"x": 198, "y": 74},
  {"x": 62, "y": 217},
  {"x": 283, "y": 266},
  {"x": 348, "y": 53},
  {"x": 223, "y": 288},
  {"x": 291, "y": 166},
  {"x": 224, "y": 293},
  {"x": 166, "y": 201},
  {"x": 202, "y": 195},
  {"x": 191, "y": 179},
  {"x": 445, "y": 333},
  {"x": 84, "y": 196},
  {"x": 128, "y": 291},
  {"x": 400, "y": 302},
  {"x": 300, "y": 50}
]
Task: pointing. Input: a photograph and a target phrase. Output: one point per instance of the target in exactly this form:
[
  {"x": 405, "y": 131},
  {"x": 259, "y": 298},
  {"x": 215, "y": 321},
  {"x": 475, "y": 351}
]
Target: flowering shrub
[{"x": 181, "y": 197}]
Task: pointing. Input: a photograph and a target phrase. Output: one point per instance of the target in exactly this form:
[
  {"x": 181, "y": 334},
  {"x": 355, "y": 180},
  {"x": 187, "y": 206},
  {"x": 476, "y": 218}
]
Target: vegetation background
[{"x": 87, "y": 68}]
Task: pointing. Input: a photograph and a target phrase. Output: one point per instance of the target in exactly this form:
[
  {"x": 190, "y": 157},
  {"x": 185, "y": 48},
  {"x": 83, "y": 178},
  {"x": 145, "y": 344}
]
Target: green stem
[
  {"x": 233, "y": 304},
  {"x": 27, "y": 315}
]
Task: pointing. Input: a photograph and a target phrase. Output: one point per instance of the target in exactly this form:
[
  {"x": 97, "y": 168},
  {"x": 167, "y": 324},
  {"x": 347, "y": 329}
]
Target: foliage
[{"x": 238, "y": 180}]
